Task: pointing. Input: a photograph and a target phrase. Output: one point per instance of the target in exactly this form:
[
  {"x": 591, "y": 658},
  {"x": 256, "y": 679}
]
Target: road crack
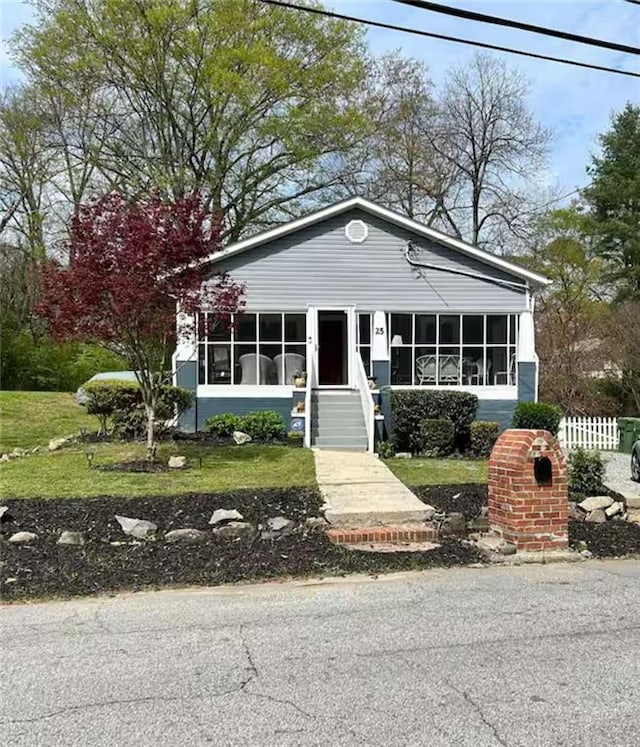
[{"x": 476, "y": 707}]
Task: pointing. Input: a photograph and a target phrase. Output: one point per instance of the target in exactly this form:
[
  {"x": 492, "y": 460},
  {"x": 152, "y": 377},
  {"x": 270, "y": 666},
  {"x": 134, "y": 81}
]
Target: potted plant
[
  {"x": 295, "y": 438},
  {"x": 300, "y": 379}
]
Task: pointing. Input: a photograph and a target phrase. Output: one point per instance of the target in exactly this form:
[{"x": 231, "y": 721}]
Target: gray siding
[
  {"x": 208, "y": 406},
  {"x": 186, "y": 376},
  {"x": 497, "y": 411},
  {"x": 318, "y": 265},
  {"x": 526, "y": 382}
]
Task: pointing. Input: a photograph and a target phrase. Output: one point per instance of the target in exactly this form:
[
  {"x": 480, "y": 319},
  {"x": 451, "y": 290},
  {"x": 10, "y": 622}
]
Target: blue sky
[{"x": 575, "y": 104}]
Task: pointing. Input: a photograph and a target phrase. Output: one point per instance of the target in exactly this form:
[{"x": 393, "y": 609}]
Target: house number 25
[{"x": 379, "y": 330}]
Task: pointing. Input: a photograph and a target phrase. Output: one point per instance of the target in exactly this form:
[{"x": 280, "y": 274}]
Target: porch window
[
  {"x": 258, "y": 349},
  {"x": 453, "y": 349},
  {"x": 363, "y": 342}
]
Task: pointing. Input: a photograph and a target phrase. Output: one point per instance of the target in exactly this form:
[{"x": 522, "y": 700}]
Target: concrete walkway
[{"x": 363, "y": 492}]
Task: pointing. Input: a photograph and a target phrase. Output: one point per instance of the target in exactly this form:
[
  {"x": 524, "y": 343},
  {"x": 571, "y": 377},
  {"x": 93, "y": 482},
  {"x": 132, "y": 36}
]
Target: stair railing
[{"x": 366, "y": 399}]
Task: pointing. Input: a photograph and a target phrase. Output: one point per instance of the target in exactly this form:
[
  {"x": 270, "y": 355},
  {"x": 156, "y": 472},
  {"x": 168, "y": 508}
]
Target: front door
[{"x": 333, "y": 347}]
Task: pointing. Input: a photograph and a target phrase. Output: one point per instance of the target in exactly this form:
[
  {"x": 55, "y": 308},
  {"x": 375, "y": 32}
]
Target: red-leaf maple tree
[{"x": 132, "y": 264}]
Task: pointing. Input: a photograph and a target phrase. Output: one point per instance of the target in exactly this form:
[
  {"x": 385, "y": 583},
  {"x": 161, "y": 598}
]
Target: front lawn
[
  {"x": 427, "y": 471},
  {"x": 66, "y": 473},
  {"x": 29, "y": 419}
]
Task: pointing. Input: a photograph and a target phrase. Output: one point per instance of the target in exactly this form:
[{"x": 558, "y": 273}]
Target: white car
[{"x": 81, "y": 395}]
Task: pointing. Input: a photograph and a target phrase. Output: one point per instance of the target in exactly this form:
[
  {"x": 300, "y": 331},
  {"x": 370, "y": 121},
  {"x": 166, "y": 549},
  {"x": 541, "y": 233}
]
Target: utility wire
[
  {"x": 417, "y": 32},
  {"x": 470, "y": 15}
]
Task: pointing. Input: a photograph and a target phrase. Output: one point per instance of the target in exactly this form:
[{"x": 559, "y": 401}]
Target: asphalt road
[{"x": 532, "y": 655}]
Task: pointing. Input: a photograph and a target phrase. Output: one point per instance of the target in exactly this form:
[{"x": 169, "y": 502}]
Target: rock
[
  {"x": 70, "y": 538},
  {"x": 586, "y": 553},
  {"x": 615, "y": 508},
  {"x": 36, "y": 450},
  {"x": 325, "y": 507},
  {"x": 491, "y": 543},
  {"x": 429, "y": 512},
  {"x": 177, "y": 462},
  {"x": 5, "y": 515},
  {"x": 57, "y": 443},
  {"x": 454, "y": 523},
  {"x": 4, "y": 458},
  {"x": 234, "y": 530},
  {"x": 280, "y": 524},
  {"x": 316, "y": 522},
  {"x": 404, "y": 455},
  {"x": 17, "y": 452},
  {"x": 137, "y": 527},
  {"x": 23, "y": 538},
  {"x": 575, "y": 512},
  {"x": 188, "y": 536},
  {"x": 596, "y": 517},
  {"x": 596, "y": 502},
  {"x": 241, "y": 438},
  {"x": 225, "y": 514}
]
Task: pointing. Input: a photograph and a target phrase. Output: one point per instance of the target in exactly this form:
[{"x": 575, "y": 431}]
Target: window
[
  {"x": 363, "y": 342},
  {"x": 450, "y": 349},
  {"x": 265, "y": 348}
]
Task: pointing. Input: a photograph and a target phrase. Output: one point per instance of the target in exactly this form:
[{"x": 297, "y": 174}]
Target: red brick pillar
[{"x": 528, "y": 501}]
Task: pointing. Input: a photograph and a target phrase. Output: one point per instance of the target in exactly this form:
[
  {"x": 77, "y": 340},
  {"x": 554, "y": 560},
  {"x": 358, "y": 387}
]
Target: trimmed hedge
[
  {"x": 437, "y": 436},
  {"x": 261, "y": 425},
  {"x": 537, "y": 416},
  {"x": 410, "y": 407},
  {"x": 223, "y": 425},
  {"x": 484, "y": 434}
]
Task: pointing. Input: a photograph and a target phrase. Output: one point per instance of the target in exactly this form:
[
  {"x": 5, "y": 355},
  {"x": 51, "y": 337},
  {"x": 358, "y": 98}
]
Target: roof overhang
[{"x": 385, "y": 214}]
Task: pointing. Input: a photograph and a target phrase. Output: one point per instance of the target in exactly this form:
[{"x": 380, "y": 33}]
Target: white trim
[
  {"x": 492, "y": 391},
  {"x": 385, "y": 214},
  {"x": 229, "y": 391}
]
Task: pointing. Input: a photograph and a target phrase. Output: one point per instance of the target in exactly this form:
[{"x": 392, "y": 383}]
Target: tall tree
[
  {"x": 250, "y": 104},
  {"x": 613, "y": 198},
  {"x": 133, "y": 261}
]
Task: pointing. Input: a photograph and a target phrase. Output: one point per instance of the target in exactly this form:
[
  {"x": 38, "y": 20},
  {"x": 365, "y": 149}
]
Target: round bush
[
  {"x": 484, "y": 434},
  {"x": 537, "y": 416},
  {"x": 437, "y": 436},
  {"x": 263, "y": 425},
  {"x": 223, "y": 425}
]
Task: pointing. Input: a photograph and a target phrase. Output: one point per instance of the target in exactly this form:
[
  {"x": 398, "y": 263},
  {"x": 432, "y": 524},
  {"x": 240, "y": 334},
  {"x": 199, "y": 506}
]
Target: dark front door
[{"x": 332, "y": 348}]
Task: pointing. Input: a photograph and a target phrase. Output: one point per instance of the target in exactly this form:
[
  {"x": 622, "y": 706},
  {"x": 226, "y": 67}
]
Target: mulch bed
[
  {"x": 467, "y": 499},
  {"x": 46, "y": 569}
]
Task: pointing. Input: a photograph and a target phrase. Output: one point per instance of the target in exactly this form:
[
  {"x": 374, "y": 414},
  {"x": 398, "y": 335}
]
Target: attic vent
[{"x": 356, "y": 231}]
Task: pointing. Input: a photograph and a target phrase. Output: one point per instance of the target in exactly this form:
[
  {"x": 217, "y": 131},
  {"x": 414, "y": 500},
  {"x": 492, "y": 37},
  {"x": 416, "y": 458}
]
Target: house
[{"x": 365, "y": 301}]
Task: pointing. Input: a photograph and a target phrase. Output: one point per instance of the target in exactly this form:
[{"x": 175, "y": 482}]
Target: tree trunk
[{"x": 151, "y": 444}]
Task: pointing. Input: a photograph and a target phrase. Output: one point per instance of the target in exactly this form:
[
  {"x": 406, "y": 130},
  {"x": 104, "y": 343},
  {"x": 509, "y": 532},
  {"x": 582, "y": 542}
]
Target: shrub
[
  {"x": 263, "y": 425},
  {"x": 107, "y": 396},
  {"x": 484, "y": 434},
  {"x": 223, "y": 424},
  {"x": 586, "y": 473},
  {"x": 387, "y": 449},
  {"x": 409, "y": 408},
  {"x": 437, "y": 436},
  {"x": 538, "y": 416}
]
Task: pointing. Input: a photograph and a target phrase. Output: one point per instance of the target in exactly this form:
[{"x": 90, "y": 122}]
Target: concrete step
[{"x": 326, "y": 442}]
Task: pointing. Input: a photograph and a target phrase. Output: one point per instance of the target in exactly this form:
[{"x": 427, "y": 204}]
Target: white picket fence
[{"x": 596, "y": 434}]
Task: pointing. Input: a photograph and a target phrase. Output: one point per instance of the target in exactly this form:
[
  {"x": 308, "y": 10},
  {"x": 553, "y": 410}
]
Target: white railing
[
  {"x": 597, "y": 434},
  {"x": 311, "y": 383},
  {"x": 368, "y": 405}
]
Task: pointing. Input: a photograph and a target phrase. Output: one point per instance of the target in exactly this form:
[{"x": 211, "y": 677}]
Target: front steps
[{"x": 337, "y": 420}]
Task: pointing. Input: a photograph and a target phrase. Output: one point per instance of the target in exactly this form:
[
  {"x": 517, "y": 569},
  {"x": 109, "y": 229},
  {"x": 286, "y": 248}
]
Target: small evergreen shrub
[
  {"x": 263, "y": 425},
  {"x": 484, "y": 434},
  {"x": 387, "y": 449},
  {"x": 586, "y": 473},
  {"x": 223, "y": 424},
  {"x": 537, "y": 416},
  {"x": 107, "y": 396},
  {"x": 409, "y": 408},
  {"x": 437, "y": 437}
]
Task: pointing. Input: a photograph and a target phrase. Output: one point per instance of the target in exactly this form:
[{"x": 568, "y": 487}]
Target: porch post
[
  {"x": 185, "y": 365},
  {"x": 527, "y": 359}
]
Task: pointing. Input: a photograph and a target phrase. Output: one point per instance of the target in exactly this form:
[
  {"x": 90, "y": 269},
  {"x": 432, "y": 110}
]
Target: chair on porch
[
  {"x": 426, "y": 369},
  {"x": 449, "y": 370},
  {"x": 293, "y": 363},
  {"x": 508, "y": 377},
  {"x": 249, "y": 367},
  {"x": 482, "y": 373}
]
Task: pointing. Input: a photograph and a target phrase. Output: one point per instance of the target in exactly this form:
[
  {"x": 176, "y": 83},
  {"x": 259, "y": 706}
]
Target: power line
[
  {"x": 444, "y": 37},
  {"x": 470, "y": 15}
]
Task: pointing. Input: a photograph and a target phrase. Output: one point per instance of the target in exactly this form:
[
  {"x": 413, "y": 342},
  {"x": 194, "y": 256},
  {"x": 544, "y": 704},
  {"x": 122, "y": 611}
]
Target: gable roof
[{"x": 387, "y": 215}]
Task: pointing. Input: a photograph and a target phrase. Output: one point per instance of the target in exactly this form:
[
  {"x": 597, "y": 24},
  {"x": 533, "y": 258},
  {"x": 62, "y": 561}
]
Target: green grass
[
  {"x": 423, "y": 471},
  {"x": 30, "y": 419},
  {"x": 65, "y": 473}
]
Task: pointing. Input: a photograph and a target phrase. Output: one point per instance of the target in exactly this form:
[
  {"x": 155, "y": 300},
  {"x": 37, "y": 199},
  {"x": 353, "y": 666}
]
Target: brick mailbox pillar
[{"x": 528, "y": 501}]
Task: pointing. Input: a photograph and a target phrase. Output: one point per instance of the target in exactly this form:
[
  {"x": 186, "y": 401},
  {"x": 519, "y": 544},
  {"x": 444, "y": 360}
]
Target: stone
[
  {"x": 596, "y": 517},
  {"x": 596, "y": 502},
  {"x": 17, "y": 452},
  {"x": 57, "y": 443},
  {"x": 177, "y": 462},
  {"x": 586, "y": 553},
  {"x": 225, "y": 514},
  {"x": 575, "y": 513},
  {"x": 491, "y": 543},
  {"x": 429, "y": 512},
  {"x": 4, "y": 458},
  {"x": 23, "y": 538},
  {"x": 241, "y": 438},
  {"x": 615, "y": 508},
  {"x": 70, "y": 538},
  {"x": 404, "y": 455},
  {"x": 36, "y": 450},
  {"x": 280, "y": 524},
  {"x": 234, "y": 530},
  {"x": 4, "y": 515},
  {"x": 188, "y": 536},
  {"x": 139, "y": 528},
  {"x": 454, "y": 523},
  {"x": 316, "y": 522}
]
